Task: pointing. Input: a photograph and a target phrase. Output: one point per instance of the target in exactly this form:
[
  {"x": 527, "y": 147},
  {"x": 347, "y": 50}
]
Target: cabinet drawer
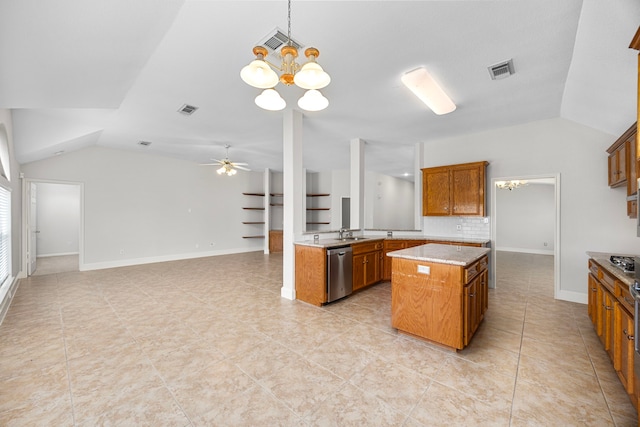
[
  {"x": 394, "y": 245},
  {"x": 625, "y": 298},
  {"x": 361, "y": 248},
  {"x": 608, "y": 281},
  {"x": 593, "y": 268},
  {"x": 474, "y": 269}
]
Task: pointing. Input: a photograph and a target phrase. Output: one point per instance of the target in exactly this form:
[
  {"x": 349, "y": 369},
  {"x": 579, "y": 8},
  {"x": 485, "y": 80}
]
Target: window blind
[{"x": 5, "y": 234}]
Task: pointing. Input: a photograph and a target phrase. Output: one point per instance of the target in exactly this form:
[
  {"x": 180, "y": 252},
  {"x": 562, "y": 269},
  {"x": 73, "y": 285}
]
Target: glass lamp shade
[
  {"x": 313, "y": 100},
  {"x": 221, "y": 170},
  {"x": 259, "y": 74},
  {"x": 311, "y": 76},
  {"x": 270, "y": 100}
]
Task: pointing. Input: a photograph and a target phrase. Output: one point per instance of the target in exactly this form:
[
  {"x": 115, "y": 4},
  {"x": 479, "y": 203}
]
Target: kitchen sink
[{"x": 347, "y": 239}]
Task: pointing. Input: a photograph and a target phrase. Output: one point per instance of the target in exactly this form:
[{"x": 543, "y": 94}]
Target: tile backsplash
[{"x": 470, "y": 227}]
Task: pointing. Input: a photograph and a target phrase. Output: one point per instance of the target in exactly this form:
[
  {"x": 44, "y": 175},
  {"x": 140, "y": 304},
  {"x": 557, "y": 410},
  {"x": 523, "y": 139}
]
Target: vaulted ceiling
[{"x": 112, "y": 73}]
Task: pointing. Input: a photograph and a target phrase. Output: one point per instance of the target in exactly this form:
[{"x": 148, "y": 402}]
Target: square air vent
[
  {"x": 274, "y": 41},
  {"x": 501, "y": 70},
  {"x": 187, "y": 109}
]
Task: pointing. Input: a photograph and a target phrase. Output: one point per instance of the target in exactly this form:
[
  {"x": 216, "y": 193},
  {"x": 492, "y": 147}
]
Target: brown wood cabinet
[
  {"x": 396, "y": 245},
  {"x": 367, "y": 264},
  {"x": 618, "y": 165},
  {"x": 610, "y": 308},
  {"x": 311, "y": 274},
  {"x": 456, "y": 190},
  {"x": 444, "y": 306},
  {"x": 623, "y": 166}
]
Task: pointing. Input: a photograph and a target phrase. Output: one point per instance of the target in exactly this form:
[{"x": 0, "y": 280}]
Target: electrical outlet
[
  {"x": 485, "y": 220},
  {"x": 121, "y": 251},
  {"x": 545, "y": 243},
  {"x": 459, "y": 227}
]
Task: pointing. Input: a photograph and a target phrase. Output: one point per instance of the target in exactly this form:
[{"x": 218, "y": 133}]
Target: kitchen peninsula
[{"x": 439, "y": 292}]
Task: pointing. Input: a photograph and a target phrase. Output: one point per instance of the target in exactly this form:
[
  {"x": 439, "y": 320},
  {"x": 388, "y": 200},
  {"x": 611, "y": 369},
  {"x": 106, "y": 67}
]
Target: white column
[
  {"x": 267, "y": 208},
  {"x": 418, "y": 154},
  {"x": 357, "y": 183},
  {"x": 293, "y": 197}
]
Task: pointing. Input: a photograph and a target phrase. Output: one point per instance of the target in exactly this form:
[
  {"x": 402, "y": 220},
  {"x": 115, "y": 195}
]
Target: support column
[
  {"x": 357, "y": 183},
  {"x": 267, "y": 209},
  {"x": 418, "y": 155},
  {"x": 293, "y": 197}
]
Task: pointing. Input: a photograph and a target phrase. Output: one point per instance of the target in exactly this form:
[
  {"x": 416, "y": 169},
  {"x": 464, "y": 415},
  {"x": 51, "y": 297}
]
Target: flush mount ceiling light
[
  {"x": 510, "y": 185},
  {"x": 420, "y": 82},
  {"x": 260, "y": 74}
]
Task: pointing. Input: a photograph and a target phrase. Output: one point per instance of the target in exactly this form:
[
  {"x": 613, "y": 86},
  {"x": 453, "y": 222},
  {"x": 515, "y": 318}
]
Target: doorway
[
  {"x": 526, "y": 220},
  {"x": 53, "y": 229}
]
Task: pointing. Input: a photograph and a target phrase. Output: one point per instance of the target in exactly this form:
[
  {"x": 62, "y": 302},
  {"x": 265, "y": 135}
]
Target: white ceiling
[{"x": 112, "y": 73}]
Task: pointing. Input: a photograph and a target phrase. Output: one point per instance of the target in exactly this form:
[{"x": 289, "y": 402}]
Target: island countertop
[{"x": 442, "y": 254}]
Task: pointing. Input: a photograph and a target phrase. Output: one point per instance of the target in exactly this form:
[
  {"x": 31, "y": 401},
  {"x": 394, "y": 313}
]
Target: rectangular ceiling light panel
[{"x": 428, "y": 91}]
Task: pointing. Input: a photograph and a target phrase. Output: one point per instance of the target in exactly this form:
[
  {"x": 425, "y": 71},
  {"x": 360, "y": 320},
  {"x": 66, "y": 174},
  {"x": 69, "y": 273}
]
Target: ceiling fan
[{"x": 227, "y": 166}]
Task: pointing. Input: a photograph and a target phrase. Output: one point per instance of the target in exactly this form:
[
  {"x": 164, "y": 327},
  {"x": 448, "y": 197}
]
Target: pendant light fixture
[{"x": 260, "y": 74}]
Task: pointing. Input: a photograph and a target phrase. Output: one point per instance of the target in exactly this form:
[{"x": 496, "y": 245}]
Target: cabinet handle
[
  {"x": 594, "y": 289},
  {"x": 629, "y": 337},
  {"x": 472, "y": 295},
  {"x": 607, "y": 307}
]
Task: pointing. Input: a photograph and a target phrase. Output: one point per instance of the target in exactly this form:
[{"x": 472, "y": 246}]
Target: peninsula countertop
[
  {"x": 442, "y": 254},
  {"x": 335, "y": 242}
]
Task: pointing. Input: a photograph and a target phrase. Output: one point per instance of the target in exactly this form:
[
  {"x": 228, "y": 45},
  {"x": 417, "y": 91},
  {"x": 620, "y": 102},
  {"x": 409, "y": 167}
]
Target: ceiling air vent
[
  {"x": 501, "y": 70},
  {"x": 274, "y": 42},
  {"x": 187, "y": 109},
  {"x": 144, "y": 143}
]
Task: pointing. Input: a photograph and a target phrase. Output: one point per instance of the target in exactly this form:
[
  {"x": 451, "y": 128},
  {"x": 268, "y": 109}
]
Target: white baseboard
[
  {"x": 6, "y": 296},
  {"x": 572, "y": 296},
  {"x": 526, "y": 251},
  {"x": 288, "y": 293},
  {"x": 60, "y": 254},
  {"x": 164, "y": 258}
]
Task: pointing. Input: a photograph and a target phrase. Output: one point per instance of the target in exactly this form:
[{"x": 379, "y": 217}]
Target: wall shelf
[
  {"x": 253, "y": 237},
  {"x": 254, "y": 194},
  {"x": 254, "y": 209},
  {"x": 253, "y": 222},
  {"x": 318, "y": 209}
]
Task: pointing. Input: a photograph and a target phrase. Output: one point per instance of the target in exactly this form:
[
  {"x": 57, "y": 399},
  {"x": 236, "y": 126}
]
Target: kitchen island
[{"x": 439, "y": 292}]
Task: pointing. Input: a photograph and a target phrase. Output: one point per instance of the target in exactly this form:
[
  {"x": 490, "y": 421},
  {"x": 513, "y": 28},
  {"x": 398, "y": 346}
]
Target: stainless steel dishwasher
[{"x": 339, "y": 272}]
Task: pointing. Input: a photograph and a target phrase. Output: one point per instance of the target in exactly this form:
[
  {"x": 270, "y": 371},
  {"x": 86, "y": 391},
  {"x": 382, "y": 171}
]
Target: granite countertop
[
  {"x": 602, "y": 258},
  {"x": 331, "y": 243},
  {"x": 442, "y": 254}
]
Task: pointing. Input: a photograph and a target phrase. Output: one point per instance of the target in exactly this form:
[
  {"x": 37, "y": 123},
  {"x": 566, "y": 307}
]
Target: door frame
[
  {"x": 26, "y": 211},
  {"x": 556, "y": 248}
]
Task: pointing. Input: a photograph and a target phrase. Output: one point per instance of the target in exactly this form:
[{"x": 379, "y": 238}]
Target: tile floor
[
  {"x": 56, "y": 264},
  {"x": 210, "y": 342}
]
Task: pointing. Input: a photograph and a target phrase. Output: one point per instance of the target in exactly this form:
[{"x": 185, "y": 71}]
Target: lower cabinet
[
  {"x": 610, "y": 309},
  {"x": 445, "y": 306},
  {"x": 367, "y": 264}
]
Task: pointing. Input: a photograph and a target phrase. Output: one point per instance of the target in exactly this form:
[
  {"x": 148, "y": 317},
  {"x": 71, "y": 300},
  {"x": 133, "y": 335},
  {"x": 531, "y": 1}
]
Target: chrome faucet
[{"x": 341, "y": 233}]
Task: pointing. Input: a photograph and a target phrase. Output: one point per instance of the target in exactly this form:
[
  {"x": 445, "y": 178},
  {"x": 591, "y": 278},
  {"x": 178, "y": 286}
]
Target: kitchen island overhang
[{"x": 439, "y": 292}]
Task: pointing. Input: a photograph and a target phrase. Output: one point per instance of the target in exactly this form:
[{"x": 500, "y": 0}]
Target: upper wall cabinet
[
  {"x": 623, "y": 166},
  {"x": 454, "y": 190}
]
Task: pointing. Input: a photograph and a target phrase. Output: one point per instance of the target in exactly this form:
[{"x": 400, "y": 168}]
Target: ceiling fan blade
[
  {"x": 209, "y": 164},
  {"x": 240, "y": 163},
  {"x": 219, "y": 161},
  {"x": 241, "y": 168}
]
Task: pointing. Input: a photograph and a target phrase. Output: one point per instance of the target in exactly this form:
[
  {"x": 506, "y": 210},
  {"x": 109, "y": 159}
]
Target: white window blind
[{"x": 5, "y": 234}]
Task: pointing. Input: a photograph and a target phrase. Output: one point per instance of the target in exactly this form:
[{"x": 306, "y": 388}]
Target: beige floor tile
[
  {"x": 444, "y": 406},
  {"x": 178, "y": 343},
  {"x": 352, "y": 406},
  {"x": 397, "y": 386}
]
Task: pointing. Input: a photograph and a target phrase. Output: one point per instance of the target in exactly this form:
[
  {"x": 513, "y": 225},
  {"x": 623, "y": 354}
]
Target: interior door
[{"x": 33, "y": 230}]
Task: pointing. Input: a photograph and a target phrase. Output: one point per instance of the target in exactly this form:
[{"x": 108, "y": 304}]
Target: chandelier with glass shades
[
  {"x": 510, "y": 185},
  {"x": 260, "y": 74}
]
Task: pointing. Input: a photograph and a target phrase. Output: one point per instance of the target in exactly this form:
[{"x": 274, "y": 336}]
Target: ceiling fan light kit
[
  {"x": 227, "y": 166},
  {"x": 310, "y": 76},
  {"x": 420, "y": 82}
]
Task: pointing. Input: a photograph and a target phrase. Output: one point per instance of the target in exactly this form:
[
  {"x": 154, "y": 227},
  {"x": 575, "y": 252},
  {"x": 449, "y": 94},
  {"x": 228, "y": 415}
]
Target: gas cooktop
[{"x": 624, "y": 263}]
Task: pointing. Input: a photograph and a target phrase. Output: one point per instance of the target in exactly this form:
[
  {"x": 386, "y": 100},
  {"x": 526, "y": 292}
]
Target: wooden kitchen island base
[{"x": 439, "y": 292}]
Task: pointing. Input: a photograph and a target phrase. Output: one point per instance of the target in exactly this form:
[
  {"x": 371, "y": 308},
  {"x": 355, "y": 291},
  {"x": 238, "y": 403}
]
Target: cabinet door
[
  {"x": 607, "y": 321},
  {"x": 468, "y": 190},
  {"x": 623, "y": 354},
  {"x": 372, "y": 259},
  {"x": 435, "y": 188},
  {"x": 470, "y": 310},
  {"x": 592, "y": 306},
  {"x": 359, "y": 262}
]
